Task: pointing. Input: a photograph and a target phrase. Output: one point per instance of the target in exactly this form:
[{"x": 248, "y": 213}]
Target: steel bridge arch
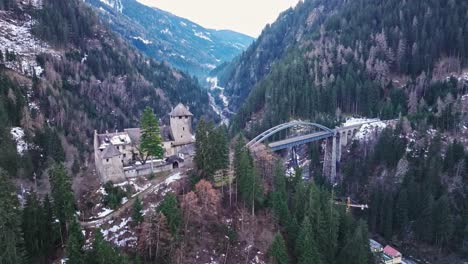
[{"x": 270, "y": 132}]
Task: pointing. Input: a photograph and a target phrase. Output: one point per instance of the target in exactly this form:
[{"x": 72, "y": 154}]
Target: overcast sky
[{"x": 245, "y": 16}]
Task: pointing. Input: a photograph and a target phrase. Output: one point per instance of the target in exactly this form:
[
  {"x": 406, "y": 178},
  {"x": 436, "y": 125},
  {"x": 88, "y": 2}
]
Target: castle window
[
  {"x": 107, "y": 160},
  {"x": 180, "y": 117},
  {"x": 124, "y": 155},
  {"x": 118, "y": 147},
  {"x": 183, "y": 128}
]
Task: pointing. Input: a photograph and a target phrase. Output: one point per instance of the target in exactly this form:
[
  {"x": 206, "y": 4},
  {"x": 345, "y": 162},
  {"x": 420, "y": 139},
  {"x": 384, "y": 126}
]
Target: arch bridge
[{"x": 332, "y": 149}]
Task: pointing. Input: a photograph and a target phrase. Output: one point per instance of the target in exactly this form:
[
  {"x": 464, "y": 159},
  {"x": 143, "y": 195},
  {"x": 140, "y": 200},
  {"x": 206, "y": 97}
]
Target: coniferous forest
[{"x": 65, "y": 75}]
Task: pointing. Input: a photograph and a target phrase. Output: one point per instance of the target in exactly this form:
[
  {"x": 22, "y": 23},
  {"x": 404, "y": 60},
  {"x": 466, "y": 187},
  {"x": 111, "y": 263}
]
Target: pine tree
[
  {"x": 62, "y": 195},
  {"x": 443, "y": 224},
  {"x": 201, "y": 152},
  {"x": 211, "y": 148},
  {"x": 137, "y": 216},
  {"x": 278, "y": 252},
  {"x": 103, "y": 252},
  {"x": 402, "y": 210},
  {"x": 170, "y": 208},
  {"x": 356, "y": 247},
  {"x": 250, "y": 185},
  {"x": 75, "y": 244},
  {"x": 150, "y": 142},
  {"x": 306, "y": 248},
  {"x": 32, "y": 226},
  {"x": 11, "y": 243},
  {"x": 220, "y": 148},
  {"x": 50, "y": 230}
]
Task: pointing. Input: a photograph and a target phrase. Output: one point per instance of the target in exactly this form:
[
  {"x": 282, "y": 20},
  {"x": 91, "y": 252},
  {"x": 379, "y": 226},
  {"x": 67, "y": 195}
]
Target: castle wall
[
  {"x": 168, "y": 149},
  {"x": 132, "y": 172},
  {"x": 126, "y": 151},
  {"x": 97, "y": 157}
]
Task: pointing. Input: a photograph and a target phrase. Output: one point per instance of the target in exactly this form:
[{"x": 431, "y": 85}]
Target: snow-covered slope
[
  {"x": 164, "y": 36},
  {"x": 16, "y": 39}
]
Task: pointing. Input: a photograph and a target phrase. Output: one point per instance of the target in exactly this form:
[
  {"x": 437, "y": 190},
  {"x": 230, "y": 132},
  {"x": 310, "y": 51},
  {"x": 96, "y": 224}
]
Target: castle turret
[{"x": 181, "y": 125}]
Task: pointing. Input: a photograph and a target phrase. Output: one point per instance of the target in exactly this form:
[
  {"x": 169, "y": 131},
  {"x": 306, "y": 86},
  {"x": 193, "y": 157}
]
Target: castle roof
[
  {"x": 180, "y": 110},
  {"x": 110, "y": 151},
  {"x": 134, "y": 134}
]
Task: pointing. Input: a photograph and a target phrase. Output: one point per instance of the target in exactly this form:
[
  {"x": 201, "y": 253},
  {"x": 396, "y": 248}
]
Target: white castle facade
[{"x": 115, "y": 154}]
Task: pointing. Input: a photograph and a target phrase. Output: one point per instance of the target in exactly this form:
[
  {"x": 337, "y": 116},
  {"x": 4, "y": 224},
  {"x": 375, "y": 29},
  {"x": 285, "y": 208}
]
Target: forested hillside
[
  {"x": 60, "y": 83},
  {"x": 327, "y": 60},
  {"x": 361, "y": 57}
]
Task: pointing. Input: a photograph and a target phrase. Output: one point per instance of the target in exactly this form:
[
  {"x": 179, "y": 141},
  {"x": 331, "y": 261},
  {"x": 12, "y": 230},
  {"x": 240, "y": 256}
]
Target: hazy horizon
[{"x": 244, "y": 16}]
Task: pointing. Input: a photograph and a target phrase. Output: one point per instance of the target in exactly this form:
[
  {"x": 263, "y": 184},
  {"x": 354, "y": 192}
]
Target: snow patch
[
  {"x": 369, "y": 130},
  {"x": 145, "y": 41},
  {"x": 16, "y": 37},
  {"x": 166, "y": 31},
  {"x": 116, "y": 4},
  {"x": 104, "y": 212},
  {"x": 201, "y": 35},
  {"x": 358, "y": 121},
  {"x": 18, "y": 136},
  {"x": 173, "y": 178}
]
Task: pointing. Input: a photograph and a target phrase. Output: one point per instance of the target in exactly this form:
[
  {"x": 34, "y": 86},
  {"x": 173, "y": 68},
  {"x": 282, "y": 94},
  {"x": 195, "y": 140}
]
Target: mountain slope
[
  {"x": 164, "y": 36},
  {"x": 347, "y": 55},
  {"x": 393, "y": 59},
  {"x": 58, "y": 84}
]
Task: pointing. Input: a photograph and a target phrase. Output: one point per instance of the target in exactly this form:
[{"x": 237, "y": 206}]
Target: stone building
[
  {"x": 181, "y": 125},
  {"x": 115, "y": 153}
]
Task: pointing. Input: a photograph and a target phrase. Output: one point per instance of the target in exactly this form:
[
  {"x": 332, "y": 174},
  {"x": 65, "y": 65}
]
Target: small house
[{"x": 391, "y": 255}]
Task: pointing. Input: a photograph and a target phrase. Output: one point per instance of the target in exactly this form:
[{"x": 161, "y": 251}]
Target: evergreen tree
[
  {"x": 201, "y": 151},
  {"x": 220, "y": 148},
  {"x": 211, "y": 148},
  {"x": 75, "y": 244},
  {"x": 277, "y": 251},
  {"x": 356, "y": 248},
  {"x": 137, "y": 216},
  {"x": 150, "y": 141},
  {"x": 171, "y": 210},
  {"x": 402, "y": 210},
  {"x": 62, "y": 195},
  {"x": 306, "y": 248},
  {"x": 443, "y": 224},
  {"x": 11, "y": 243},
  {"x": 50, "y": 230},
  {"x": 32, "y": 226},
  {"x": 279, "y": 196},
  {"x": 250, "y": 185},
  {"x": 103, "y": 252}
]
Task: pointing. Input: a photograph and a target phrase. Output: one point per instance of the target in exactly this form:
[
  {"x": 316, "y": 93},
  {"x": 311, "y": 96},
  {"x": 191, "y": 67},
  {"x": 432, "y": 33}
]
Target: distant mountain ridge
[{"x": 166, "y": 37}]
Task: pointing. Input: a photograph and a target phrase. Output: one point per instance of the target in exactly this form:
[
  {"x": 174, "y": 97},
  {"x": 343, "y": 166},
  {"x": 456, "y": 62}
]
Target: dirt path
[{"x": 116, "y": 213}]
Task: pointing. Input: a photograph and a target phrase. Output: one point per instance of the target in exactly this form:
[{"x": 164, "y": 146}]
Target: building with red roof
[{"x": 391, "y": 255}]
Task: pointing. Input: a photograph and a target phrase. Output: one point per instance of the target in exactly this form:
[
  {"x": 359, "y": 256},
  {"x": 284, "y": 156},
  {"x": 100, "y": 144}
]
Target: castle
[{"x": 115, "y": 153}]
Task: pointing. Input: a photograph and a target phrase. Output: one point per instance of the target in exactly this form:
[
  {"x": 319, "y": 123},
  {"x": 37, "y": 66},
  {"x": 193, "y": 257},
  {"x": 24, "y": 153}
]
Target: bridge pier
[{"x": 330, "y": 159}]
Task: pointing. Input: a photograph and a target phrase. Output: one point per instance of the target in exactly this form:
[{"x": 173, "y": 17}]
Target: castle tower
[{"x": 181, "y": 125}]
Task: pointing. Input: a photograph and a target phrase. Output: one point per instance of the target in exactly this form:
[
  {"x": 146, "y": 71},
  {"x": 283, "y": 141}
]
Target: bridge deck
[{"x": 295, "y": 141}]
